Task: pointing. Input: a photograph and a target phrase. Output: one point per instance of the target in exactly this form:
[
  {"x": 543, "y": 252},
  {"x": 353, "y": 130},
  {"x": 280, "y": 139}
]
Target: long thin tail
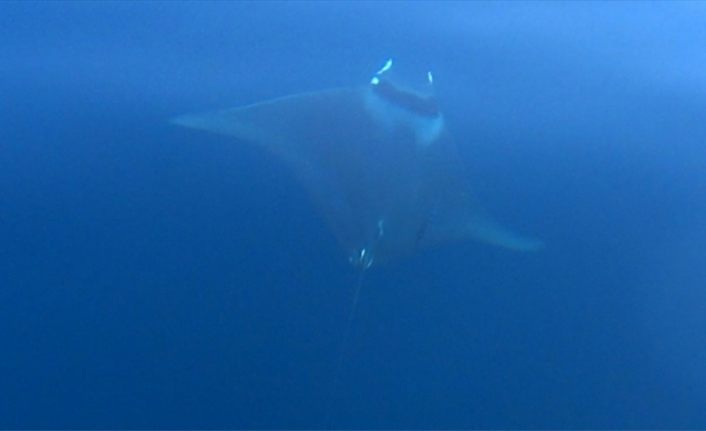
[{"x": 343, "y": 350}]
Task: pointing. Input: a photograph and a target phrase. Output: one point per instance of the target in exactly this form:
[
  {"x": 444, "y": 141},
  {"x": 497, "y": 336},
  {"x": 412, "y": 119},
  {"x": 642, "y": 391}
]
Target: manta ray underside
[{"x": 377, "y": 161}]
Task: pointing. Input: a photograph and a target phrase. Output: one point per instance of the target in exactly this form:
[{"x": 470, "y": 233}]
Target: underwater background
[{"x": 154, "y": 277}]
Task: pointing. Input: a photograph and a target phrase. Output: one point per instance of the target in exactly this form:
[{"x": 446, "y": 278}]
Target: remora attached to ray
[{"x": 377, "y": 161}]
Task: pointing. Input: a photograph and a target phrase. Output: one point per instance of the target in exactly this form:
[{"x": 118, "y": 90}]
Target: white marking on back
[{"x": 391, "y": 117}]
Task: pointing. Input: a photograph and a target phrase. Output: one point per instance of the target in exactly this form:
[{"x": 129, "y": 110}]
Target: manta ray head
[{"x": 397, "y": 100}]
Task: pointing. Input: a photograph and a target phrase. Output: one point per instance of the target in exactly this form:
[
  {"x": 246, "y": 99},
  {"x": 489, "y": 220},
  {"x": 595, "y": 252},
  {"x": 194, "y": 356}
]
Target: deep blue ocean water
[{"x": 156, "y": 277}]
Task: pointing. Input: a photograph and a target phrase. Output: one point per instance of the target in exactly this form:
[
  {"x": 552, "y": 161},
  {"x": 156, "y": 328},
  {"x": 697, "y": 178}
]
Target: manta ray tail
[{"x": 343, "y": 350}]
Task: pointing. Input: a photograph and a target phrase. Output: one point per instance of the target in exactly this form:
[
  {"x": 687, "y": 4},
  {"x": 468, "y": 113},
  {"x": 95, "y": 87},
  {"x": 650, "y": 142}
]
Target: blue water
[{"x": 155, "y": 277}]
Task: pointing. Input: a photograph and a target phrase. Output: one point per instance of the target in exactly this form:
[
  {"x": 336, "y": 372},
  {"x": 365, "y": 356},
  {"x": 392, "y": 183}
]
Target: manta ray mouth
[{"x": 422, "y": 106}]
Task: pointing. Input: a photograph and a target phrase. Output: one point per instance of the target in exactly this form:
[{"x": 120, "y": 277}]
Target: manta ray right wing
[{"x": 455, "y": 213}]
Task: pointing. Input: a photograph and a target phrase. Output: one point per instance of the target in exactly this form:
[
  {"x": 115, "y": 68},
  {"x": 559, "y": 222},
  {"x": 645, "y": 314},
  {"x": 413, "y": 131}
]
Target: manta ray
[{"x": 377, "y": 160}]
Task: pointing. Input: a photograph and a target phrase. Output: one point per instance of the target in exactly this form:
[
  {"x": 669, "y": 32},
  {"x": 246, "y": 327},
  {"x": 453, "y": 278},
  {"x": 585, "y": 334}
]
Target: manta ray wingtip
[
  {"x": 530, "y": 245},
  {"x": 185, "y": 121},
  {"x": 488, "y": 231}
]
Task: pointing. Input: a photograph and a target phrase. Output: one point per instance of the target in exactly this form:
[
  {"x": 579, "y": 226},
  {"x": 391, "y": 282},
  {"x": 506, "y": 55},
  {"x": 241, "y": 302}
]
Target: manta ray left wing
[{"x": 356, "y": 171}]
